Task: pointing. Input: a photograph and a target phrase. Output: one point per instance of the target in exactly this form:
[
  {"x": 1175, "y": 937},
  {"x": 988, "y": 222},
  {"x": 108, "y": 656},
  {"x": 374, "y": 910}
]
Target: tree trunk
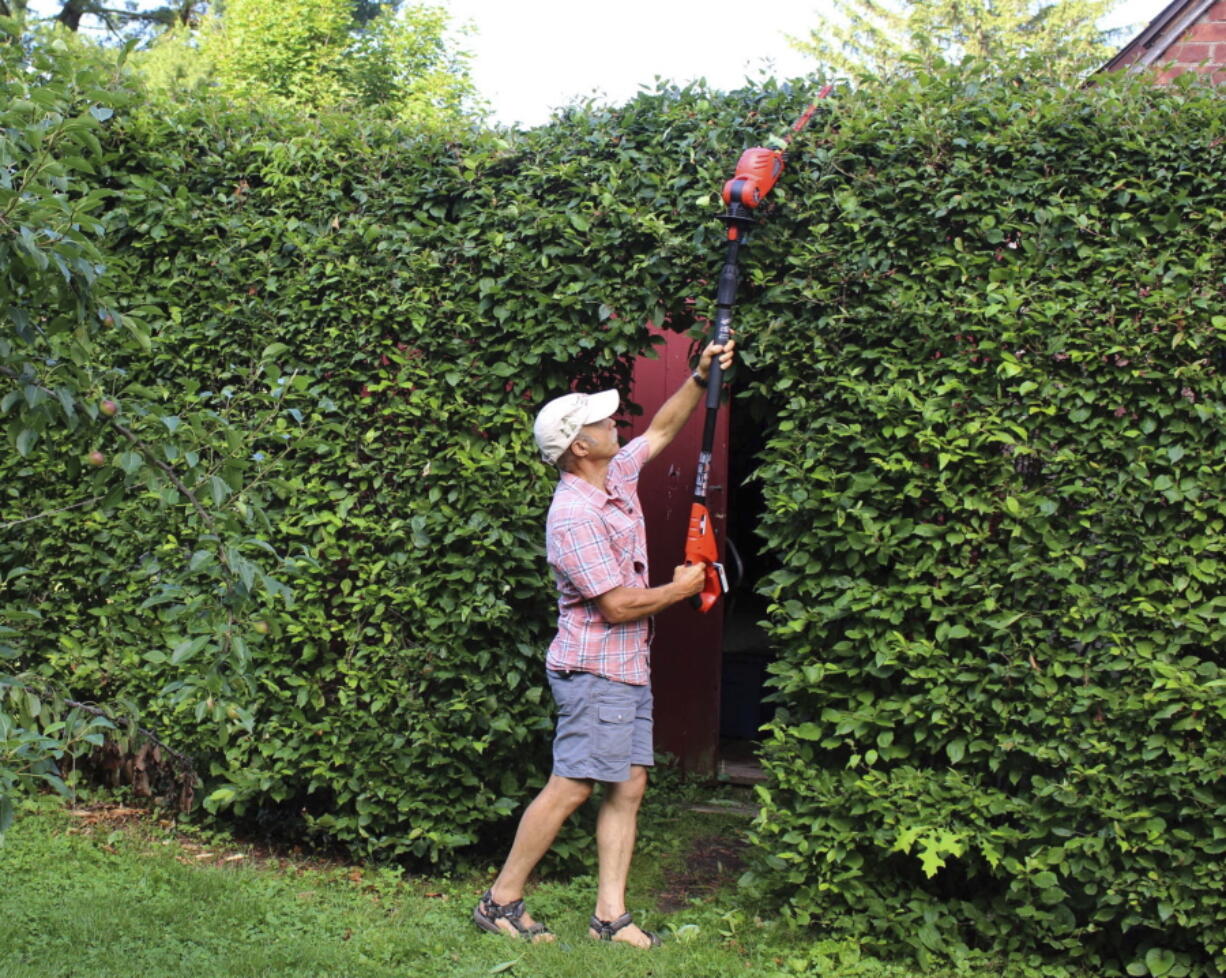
[
  {"x": 13, "y": 8},
  {"x": 71, "y": 13}
]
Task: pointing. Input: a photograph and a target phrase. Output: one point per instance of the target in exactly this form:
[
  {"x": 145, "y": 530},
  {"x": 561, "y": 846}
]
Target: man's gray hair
[{"x": 566, "y": 460}]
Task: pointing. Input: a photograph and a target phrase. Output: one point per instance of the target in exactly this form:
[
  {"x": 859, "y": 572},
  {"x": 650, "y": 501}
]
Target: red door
[{"x": 686, "y": 652}]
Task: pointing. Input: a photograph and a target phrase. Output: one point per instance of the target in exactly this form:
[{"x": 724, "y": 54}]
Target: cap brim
[{"x": 601, "y": 406}]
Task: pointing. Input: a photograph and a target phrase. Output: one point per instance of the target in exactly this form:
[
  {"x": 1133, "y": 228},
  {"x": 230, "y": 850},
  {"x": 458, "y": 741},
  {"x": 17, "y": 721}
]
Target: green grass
[{"x": 96, "y": 898}]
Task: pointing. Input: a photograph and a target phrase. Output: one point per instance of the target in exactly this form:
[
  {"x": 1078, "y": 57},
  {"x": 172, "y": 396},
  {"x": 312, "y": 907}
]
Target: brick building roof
[{"x": 1187, "y": 35}]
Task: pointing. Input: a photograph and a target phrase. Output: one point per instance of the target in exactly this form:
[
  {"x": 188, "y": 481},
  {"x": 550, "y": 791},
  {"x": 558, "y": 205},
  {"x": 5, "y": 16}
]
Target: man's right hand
[
  {"x": 689, "y": 579},
  {"x": 624, "y": 604}
]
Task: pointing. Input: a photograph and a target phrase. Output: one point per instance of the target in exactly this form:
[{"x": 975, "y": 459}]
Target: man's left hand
[{"x": 726, "y": 354}]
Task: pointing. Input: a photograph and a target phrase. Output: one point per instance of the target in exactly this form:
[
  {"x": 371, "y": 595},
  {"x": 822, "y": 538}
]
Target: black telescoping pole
[{"x": 724, "y": 300}]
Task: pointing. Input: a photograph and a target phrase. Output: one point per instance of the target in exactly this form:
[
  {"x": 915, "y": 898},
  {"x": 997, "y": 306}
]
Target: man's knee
[
  {"x": 634, "y": 787},
  {"x": 569, "y": 792}
]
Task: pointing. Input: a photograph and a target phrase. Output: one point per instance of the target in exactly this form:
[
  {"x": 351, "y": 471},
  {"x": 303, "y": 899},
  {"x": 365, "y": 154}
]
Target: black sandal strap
[
  {"x": 511, "y": 912},
  {"x": 607, "y": 928}
]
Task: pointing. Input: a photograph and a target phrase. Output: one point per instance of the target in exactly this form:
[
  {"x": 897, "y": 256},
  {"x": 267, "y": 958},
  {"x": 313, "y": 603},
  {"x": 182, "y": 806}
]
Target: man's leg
[
  {"x": 616, "y": 828},
  {"x": 538, "y": 827}
]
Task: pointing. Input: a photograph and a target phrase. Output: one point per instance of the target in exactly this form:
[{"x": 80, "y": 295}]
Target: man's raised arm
[{"x": 676, "y": 411}]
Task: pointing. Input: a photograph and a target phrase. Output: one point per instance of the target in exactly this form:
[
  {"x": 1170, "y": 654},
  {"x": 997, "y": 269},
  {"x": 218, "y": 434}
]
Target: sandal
[
  {"x": 607, "y": 928},
  {"x": 487, "y": 914}
]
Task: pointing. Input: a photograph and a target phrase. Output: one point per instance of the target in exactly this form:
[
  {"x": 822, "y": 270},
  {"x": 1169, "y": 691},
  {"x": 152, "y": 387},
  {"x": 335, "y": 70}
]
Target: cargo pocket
[{"x": 614, "y": 733}]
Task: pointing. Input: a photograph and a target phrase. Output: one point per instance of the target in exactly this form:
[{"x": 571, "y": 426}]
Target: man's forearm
[
  {"x": 673, "y": 414},
  {"x": 625, "y": 604}
]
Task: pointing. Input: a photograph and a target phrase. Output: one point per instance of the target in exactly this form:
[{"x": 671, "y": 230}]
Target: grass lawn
[{"x": 95, "y": 892}]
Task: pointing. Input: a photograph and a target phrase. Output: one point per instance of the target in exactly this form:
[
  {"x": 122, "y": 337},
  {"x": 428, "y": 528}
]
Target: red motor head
[{"x": 756, "y": 172}]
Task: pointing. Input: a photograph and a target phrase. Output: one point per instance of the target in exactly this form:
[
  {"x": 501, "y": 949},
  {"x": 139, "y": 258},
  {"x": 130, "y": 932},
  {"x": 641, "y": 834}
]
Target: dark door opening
[
  {"x": 708, "y": 670},
  {"x": 746, "y": 648}
]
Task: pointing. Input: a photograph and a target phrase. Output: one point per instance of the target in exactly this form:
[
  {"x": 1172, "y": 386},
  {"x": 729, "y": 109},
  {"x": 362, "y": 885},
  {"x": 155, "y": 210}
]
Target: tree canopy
[
  {"x": 332, "y": 52},
  {"x": 402, "y": 57},
  {"x": 114, "y": 21},
  {"x": 879, "y": 37}
]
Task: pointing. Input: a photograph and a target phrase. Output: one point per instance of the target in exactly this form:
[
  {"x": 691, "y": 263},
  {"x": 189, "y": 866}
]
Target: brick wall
[{"x": 1202, "y": 48}]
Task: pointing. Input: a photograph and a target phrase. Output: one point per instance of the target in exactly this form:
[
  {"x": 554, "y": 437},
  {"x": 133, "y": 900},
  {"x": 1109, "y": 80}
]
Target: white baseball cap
[{"x": 558, "y": 422}]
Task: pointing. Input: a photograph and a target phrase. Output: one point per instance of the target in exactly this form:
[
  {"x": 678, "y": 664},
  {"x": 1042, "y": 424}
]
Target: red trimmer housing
[
  {"x": 756, "y": 172},
  {"x": 701, "y": 548}
]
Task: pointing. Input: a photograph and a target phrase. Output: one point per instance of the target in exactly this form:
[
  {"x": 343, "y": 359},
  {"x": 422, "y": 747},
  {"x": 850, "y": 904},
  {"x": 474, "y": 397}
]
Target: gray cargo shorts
[{"x": 603, "y": 727}]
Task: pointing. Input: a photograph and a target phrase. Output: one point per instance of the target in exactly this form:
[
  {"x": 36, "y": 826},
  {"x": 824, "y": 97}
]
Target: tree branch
[
  {"x": 145, "y": 451},
  {"x": 50, "y": 512},
  {"x": 173, "y": 476},
  {"x": 186, "y": 765},
  {"x": 73, "y": 11}
]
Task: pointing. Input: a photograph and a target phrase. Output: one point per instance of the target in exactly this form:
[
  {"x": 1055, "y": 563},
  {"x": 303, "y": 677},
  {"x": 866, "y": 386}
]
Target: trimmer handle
[
  {"x": 715, "y": 585},
  {"x": 700, "y": 548}
]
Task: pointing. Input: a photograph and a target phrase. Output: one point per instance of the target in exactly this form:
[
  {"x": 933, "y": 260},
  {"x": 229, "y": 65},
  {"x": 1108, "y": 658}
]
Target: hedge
[
  {"x": 983, "y": 323},
  {"x": 995, "y": 484},
  {"x": 362, "y": 323}
]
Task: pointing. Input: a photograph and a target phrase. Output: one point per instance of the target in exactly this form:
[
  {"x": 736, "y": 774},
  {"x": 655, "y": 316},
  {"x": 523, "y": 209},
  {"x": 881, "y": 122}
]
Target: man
[{"x": 598, "y": 663}]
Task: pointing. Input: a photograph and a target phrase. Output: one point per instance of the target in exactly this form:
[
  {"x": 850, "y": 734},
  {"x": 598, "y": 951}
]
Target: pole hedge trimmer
[{"x": 756, "y": 173}]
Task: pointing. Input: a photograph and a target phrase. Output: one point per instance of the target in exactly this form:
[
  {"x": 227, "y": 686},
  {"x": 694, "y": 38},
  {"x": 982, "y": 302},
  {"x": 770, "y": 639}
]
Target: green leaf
[
  {"x": 1159, "y": 961},
  {"x": 6, "y": 815},
  {"x": 138, "y": 331},
  {"x": 129, "y": 462},
  {"x": 25, "y": 440},
  {"x": 188, "y": 648},
  {"x": 219, "y": 797}
]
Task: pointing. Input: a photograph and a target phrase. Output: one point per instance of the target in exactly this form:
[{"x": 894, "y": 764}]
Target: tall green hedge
[
  {"x": 984, "y": 322},
  {"x": 386, "y": 312},
  {"x": 995, "y": 483}
]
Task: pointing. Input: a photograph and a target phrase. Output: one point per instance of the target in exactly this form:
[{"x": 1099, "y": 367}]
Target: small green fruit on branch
[{"x": 109, "y": 408}]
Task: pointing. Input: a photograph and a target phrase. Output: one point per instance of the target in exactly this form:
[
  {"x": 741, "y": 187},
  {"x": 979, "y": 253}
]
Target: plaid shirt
[{"x": 596, "y": 541}]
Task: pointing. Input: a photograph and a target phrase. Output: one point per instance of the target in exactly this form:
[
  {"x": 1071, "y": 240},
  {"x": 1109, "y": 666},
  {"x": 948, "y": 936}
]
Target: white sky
[{"x": 533, "y": 56}]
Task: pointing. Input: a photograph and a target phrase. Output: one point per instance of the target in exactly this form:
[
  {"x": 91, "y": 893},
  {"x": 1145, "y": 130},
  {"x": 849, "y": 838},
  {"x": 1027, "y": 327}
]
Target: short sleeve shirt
[{"x": 596, "y": 541}]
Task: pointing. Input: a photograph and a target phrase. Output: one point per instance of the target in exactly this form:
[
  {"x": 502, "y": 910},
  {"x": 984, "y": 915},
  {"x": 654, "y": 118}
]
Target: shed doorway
[
  {"x": 746, "y": 649},
  {"x": 707, "y": 669}
]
